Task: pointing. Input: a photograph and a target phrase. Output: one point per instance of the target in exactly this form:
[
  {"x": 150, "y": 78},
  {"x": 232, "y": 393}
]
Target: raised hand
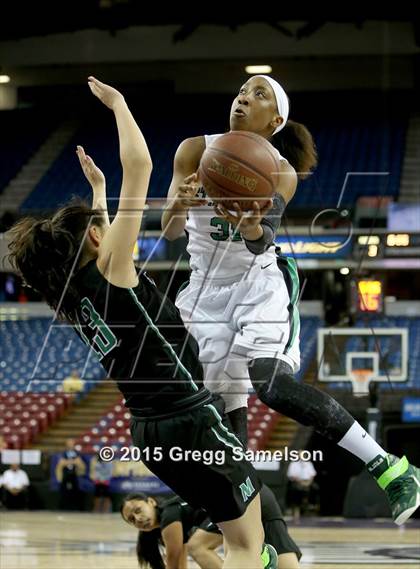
[
  {"x": 109, "y": 96},
  {"x": 93, "y": 174}
]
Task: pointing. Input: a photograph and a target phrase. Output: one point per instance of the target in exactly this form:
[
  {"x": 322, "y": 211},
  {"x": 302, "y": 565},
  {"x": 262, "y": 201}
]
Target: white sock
[{"x": 360, "y": 443}]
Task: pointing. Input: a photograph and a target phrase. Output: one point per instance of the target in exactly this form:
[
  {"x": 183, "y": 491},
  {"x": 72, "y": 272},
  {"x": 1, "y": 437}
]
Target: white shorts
[{"x": 237, "y": 322}]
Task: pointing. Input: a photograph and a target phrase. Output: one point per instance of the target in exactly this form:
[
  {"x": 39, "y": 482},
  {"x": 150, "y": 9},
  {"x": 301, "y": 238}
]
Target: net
[{"x": 360, "y": 379}]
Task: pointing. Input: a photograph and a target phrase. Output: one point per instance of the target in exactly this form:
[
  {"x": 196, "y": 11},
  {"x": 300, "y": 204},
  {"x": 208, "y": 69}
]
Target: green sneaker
[
  {"x": 401, "y": 483},
  {"x": 269, "y": 557}
]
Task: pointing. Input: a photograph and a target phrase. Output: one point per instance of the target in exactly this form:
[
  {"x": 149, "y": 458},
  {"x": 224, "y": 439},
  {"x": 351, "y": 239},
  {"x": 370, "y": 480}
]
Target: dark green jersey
[
  {"x": 140, "y": 339},
  {"x": 176, "y": 510}
]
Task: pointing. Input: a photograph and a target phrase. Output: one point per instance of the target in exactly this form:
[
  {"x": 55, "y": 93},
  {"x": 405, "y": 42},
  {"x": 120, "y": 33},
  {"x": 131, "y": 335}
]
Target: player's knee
[
  {"x": 195, "y": 546},
  {"x": 244, "y": 541},
  {"x": 272, "y": 380}
]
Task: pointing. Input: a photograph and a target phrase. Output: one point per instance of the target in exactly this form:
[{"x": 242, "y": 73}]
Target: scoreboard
[
  {"x": 370, "y": 295},
  {"x": 387, "y": 245},
  {"x": 318, "y": 249}
]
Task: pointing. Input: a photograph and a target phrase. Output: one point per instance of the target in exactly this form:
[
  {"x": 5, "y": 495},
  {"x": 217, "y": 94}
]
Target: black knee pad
[
  {"x": 275, "y": 385},
  {"x": 272, "y": 380}
]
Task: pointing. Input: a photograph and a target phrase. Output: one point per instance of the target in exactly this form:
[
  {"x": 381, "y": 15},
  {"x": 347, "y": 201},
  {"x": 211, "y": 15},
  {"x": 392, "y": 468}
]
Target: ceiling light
[{"x": 257, "y": 69}]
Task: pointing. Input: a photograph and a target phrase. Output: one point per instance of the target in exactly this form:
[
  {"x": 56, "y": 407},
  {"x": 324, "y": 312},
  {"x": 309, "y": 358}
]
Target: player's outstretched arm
[{"x": 115, "y": 259}]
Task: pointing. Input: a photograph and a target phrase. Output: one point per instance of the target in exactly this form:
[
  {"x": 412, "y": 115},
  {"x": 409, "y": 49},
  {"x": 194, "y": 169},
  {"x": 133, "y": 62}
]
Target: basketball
[{"x": 239, "y": 166}]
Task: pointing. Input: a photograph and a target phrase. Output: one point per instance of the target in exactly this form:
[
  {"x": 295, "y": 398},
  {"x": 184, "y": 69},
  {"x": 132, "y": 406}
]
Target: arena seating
[
  {"x": 98, "y": 137},
  {"x": 36, "y": 356},
  {"x": 358, "y": 140},
  {"x": 363, "y": 149},
  {"x": 22, "y": 133},
  {"x": 23, "y": 416},
  {"x": 111, "y": 430}
]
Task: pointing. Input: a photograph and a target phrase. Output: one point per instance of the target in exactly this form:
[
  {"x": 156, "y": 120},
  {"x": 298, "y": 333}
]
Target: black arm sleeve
[{"x": 270, "y": 224}]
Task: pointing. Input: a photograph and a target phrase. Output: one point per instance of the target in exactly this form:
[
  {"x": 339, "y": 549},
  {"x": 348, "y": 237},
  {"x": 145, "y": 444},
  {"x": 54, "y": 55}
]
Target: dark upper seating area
[
  {"x": 22, "y": 133},
  {"x": 360, "y": 140},
  {"x": 355, "y": 159}
]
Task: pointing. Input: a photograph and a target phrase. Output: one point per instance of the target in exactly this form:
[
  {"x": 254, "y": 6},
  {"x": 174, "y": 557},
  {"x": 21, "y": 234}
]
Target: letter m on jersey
[{"x": 247, "y": 489}]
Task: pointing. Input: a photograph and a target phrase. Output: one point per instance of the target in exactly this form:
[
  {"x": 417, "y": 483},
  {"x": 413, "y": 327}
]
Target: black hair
[
  {"x": 46, "y": 251},
  {"x": 296, "y": 144},
  {"x": 148, "y": 542}
]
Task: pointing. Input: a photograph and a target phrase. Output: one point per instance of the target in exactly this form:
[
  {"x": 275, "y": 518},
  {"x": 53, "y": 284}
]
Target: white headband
[{"x": 281, "y": 98}]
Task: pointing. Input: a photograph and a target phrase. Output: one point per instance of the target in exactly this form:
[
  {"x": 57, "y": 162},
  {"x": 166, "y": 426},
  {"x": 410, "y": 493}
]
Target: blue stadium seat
[
  {"x": 363, "y": 147},
  {"x": 363, "y": 143},
  {"x": 308, "y": 338},
  {"x": 36, "y": 355}
]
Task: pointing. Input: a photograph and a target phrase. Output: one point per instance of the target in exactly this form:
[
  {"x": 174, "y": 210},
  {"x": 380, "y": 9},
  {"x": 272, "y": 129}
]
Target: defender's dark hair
[
  {"x": 45, "y": 252},
  {"x": 148, "y": 552},
  {"x": 296, "y": 144}
]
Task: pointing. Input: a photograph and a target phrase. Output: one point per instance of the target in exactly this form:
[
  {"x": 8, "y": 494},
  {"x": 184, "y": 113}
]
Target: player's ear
[
  {"x": 277, "y": 121},
  {"x": 95, "y": 235}
]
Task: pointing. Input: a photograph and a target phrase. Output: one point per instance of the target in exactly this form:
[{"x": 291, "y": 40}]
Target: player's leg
[
  {"x": 202, "y": 545},
  {"x": 311, "y": 407},
  {"x": 238, "y": 419},
  {"x": 276, "y": 532},
  {"x": 225, "y": 488},
  {"x": 183, "y": 561},
  {"x": 235, "y": 386},
  {"x": 231, "y": 381},
  {"x": 244, "y": 539},
  {"x": 224, "y": 375},
  {"x": 287, "y": 561},
  {"x": 203, "y": 312}
]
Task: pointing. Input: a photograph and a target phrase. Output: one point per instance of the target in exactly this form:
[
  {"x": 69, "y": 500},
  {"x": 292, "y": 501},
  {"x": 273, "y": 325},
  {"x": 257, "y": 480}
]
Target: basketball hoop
[{"x": 360, "y": 379}]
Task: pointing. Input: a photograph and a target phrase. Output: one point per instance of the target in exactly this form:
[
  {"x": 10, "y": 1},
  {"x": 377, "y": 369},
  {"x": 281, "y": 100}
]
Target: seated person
[
  {"x": 73, "y": 383},
  {"x": 15, "y": 484},
  {"x": 301, "y": 475}
]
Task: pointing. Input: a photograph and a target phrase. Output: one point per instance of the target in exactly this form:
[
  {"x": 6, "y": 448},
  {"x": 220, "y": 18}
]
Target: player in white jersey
[
  {"x": 240, "y": 299},
  {"x": 240, "y": 303},
  {"x": 231, "y": 286}
]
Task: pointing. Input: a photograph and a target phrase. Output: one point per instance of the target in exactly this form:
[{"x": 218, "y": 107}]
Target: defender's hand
[
  {"x": 93, "y": 174},
  {"x": 109, "y": 96}
]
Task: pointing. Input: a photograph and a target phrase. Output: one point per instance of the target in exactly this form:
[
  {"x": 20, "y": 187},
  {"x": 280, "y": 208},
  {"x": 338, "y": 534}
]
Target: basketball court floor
[{"x": 50, "y": 540}]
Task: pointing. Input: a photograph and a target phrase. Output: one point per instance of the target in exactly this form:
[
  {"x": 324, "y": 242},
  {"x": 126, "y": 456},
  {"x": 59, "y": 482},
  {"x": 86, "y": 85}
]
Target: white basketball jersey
[{"x": 216, "y": 250}]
